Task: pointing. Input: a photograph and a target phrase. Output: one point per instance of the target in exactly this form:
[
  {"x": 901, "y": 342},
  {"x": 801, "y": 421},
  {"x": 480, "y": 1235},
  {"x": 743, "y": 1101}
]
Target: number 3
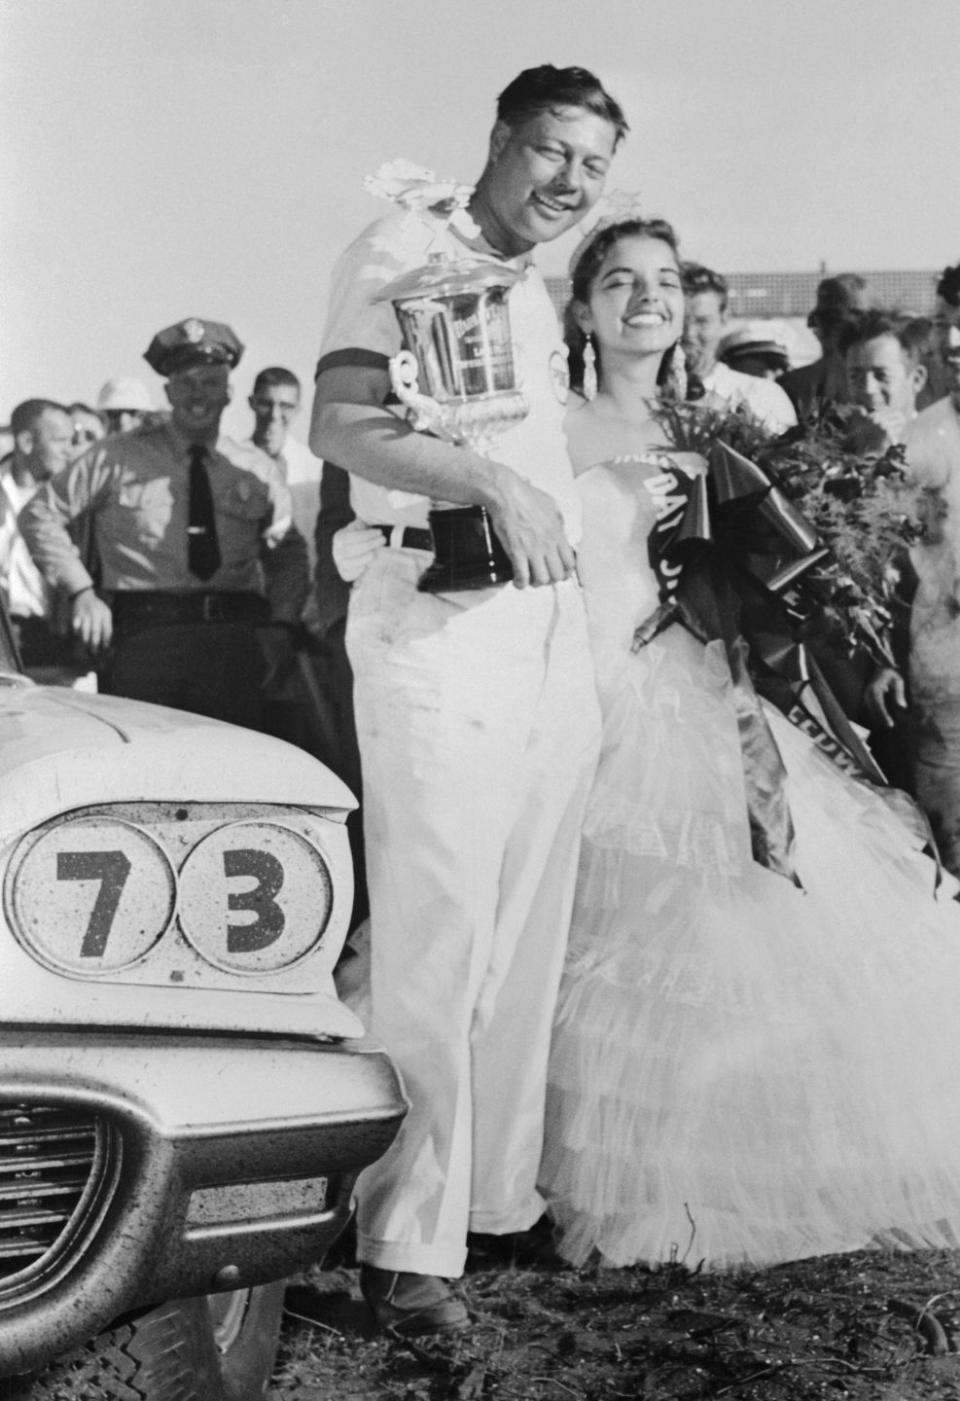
[{"x": 268, "y": 874}]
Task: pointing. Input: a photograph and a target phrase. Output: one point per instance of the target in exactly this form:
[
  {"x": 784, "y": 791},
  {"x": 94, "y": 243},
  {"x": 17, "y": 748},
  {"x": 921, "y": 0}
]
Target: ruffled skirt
[{"x": 744, "y": 1071}]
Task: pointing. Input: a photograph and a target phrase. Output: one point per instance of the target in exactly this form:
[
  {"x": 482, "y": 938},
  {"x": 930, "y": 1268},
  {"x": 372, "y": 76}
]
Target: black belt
[
  {"x": 411, "y": 537},
  {"x": 26, "y": 621},
  {"x": 149, "y": 608}
]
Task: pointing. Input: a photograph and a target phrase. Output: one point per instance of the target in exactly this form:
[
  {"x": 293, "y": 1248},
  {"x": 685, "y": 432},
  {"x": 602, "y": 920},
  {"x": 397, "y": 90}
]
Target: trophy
[{"x": 457, "y": 377}]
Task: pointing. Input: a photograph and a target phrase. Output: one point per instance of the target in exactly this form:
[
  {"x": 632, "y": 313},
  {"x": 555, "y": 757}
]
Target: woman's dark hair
[
  {"x": 545, "y": 88},
  {"x": 584, "y": 272}
]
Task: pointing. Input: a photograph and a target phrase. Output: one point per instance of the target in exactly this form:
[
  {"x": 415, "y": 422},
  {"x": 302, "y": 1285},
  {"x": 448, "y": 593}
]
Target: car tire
[{"x": 216, "y": 1348}]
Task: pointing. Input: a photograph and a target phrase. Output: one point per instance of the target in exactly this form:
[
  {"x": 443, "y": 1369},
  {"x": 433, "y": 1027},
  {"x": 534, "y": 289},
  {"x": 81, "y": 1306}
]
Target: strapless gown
[{"x": 742, "y": 1071}]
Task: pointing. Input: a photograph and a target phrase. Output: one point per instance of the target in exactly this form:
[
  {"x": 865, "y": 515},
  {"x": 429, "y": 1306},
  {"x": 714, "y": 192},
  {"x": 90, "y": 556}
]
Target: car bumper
[{"x": 197, "y": 1163}]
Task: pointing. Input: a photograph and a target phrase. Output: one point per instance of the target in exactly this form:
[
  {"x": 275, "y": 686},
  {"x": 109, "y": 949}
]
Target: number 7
[{"x": 111, "y": 869}]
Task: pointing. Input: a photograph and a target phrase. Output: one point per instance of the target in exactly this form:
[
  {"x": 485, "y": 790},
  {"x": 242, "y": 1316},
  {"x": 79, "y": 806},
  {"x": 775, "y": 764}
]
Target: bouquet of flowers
[{"x": 858, "y": 502}]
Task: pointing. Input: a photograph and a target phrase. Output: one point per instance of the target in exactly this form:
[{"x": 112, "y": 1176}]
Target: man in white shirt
[
  {"x": 704, "y": 328},
  {"x": 275, "y": 402},
  {"x": 476, "y": 713},
  {"x": 42, "y": 444}
]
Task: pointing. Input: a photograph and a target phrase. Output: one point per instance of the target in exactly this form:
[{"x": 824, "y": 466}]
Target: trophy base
[{"x": 467, "y": 553}]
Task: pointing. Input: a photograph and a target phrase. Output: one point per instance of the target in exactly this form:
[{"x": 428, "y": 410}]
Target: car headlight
[
  {"x": 254, "y": 896},
  {"x": 93, "y": 894},
  {"x": 187, "y": 893}
]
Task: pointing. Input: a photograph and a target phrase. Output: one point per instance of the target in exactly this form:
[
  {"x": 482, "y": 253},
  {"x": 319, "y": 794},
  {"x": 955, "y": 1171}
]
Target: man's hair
[
  {"x": 546, "y": 88},
  {"x": 840, "y": 299},
  {"x": 697, "y": 278},
  {"x": 274, "y": 375},
  {"x": 949, "y": 285},
  {"x": 26, "y": 415},
  {"x": 913, "y": 333}
]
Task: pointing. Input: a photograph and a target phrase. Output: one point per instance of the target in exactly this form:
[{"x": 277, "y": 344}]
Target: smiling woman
[{"x": 738, "y": 926}]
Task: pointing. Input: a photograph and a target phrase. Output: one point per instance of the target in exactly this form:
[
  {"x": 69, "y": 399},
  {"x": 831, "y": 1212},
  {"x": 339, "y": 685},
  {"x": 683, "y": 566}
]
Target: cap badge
[{"x": 193, "y": 330}]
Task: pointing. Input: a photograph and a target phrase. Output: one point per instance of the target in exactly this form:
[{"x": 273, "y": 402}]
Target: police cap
[{"x": 192, "y": 342}]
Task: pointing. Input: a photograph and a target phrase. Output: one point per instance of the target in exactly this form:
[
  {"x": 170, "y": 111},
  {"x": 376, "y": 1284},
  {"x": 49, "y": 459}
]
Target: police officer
[{"x": 202, "y": 572}]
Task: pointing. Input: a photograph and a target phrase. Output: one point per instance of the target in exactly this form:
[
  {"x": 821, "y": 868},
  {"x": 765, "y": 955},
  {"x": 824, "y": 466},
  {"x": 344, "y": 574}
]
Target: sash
[{"x": 732, "y": 557}]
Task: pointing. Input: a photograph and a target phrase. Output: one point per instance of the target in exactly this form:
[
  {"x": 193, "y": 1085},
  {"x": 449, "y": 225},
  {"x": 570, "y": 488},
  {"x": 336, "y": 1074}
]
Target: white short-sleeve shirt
[{"x": 365, "y": 332}]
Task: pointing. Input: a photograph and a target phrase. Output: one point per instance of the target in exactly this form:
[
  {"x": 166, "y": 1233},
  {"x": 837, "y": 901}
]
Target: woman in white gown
[{"x": 743, "y": 1070}]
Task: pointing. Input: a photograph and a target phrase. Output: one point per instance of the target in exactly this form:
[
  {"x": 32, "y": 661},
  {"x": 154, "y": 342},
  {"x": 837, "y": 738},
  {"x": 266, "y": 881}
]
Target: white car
[{"x": 184, "y": 1101}]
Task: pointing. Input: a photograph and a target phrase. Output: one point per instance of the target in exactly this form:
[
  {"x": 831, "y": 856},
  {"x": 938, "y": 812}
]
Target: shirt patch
[{"x": 560, "y": 375}]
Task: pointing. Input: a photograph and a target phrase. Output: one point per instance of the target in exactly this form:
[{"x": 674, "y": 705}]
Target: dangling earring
[
  {"x": 589, "y": 370},
  {"x": 675, "y": 385}
]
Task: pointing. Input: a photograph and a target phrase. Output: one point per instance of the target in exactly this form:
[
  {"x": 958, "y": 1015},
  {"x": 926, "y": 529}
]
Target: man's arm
[
  {"x": 44, "y": 523},
  {"x": 350, "y": 426}
]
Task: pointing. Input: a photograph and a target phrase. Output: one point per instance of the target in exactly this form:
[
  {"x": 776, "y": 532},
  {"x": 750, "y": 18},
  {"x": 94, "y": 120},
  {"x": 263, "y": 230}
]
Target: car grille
[{"x": 48, "y": 1157}]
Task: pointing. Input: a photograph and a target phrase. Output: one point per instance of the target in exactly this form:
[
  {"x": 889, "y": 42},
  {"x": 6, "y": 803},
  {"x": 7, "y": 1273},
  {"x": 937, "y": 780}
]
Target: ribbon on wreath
[{"x": 726, "y": 548}]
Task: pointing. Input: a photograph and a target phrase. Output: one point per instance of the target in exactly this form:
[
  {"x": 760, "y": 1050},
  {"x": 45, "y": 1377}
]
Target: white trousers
[{"x": 479, "y": 730}]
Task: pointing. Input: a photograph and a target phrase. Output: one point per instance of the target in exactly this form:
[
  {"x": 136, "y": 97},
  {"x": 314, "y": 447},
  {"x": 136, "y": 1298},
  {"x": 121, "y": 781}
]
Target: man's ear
[
  {"x": 24, "y": 441},
  {"x": 229, "y": 389},
  {"x": 166, "y": 390},
  {"x": 918, "y": 377},
  {"x": 498, "y": 139},
  {"x": 252, "y": 403}
]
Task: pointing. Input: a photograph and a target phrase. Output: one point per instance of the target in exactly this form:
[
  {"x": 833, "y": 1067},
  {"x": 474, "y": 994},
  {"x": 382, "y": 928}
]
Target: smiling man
[
  {"x": 884, "y": 358},
  {"x": 476, "y": 713},
  {"x": 194, "y": 538}
]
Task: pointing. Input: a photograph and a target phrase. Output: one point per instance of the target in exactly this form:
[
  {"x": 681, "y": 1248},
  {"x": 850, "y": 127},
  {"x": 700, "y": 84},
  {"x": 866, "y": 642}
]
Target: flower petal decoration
[{"x": 416, "y": 188}]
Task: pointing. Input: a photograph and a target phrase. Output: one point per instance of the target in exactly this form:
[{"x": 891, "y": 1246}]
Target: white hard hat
[{"x": 124, "y": 394}]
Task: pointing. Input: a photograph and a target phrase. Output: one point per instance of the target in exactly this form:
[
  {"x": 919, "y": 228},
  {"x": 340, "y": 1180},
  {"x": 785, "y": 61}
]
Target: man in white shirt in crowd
[
  {"x": 704, "y": 328},
  {"x": 42, "y": 443},
  {"x": 275, "y": 402}
]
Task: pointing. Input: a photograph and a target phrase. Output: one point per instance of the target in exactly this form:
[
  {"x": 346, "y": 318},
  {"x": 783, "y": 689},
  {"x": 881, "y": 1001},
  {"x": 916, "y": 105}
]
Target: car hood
[{"x": 75, "y": 748}]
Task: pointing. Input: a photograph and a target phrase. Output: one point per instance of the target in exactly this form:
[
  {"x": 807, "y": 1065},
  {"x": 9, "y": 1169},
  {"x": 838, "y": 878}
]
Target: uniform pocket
[
  {"x": 246, "y": 501},
  {"x": 148, "y": 503}
]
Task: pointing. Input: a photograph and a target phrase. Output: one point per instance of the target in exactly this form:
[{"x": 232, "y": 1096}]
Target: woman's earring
[{"x": 589, "y": 370}]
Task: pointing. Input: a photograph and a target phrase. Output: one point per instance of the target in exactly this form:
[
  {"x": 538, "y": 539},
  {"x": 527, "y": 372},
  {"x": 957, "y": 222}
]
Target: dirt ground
[{"x": 871, "y": 1326}]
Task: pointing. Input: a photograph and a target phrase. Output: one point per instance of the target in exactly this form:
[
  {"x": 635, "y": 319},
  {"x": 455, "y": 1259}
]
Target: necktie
[{"x": 203, "y": 552}]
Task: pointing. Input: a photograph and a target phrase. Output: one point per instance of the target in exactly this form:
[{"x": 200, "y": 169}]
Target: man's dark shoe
[
  {"x": 409, "y": 1304},
  {"x": 532, "y": 1249}
]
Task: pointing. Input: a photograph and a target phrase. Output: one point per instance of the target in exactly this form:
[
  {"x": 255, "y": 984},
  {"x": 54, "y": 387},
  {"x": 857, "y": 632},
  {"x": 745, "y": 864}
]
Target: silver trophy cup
[{"x": 457, "y": 376}]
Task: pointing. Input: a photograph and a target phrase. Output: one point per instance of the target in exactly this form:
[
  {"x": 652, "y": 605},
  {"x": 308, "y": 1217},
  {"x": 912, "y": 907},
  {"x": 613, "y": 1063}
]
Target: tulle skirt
[{"x": 744, "y": 1071}]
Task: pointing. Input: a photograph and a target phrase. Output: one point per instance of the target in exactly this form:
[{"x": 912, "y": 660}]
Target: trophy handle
[{"x": 425, "y": 412}]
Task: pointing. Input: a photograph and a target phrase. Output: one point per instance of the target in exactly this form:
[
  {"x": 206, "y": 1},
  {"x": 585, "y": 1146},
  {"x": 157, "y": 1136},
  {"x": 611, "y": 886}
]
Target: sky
[{"x": 171, "y": 158}]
